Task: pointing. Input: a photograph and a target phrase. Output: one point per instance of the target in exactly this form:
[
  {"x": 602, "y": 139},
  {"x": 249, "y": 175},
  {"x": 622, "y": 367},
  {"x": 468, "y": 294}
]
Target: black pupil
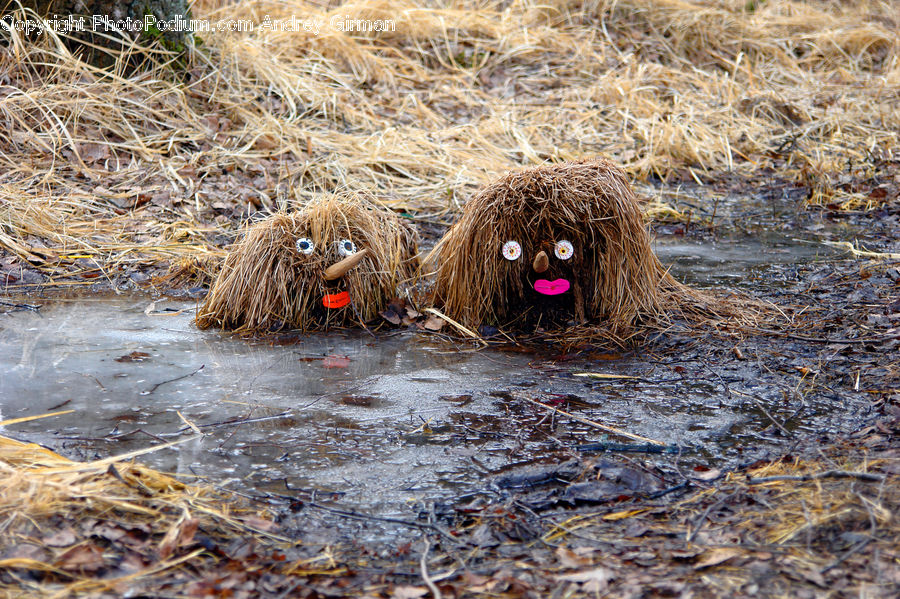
[
  {"x": 348, "y": 246},
  {"x": 304, "y": 245}
]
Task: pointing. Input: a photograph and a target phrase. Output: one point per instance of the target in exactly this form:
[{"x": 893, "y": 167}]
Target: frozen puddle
[
  {"x": 374, "y": 422},
  {"x": 333, "y": 411}
]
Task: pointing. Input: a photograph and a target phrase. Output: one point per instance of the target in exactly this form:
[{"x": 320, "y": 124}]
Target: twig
[
  {"x": 629, "y": 448},
  {"x": 610, "y": 429},
  {"x": 189, "y": 423},
  {"x": 30, "y": 418},
  {"x": 456, "y": 325},
  {"x": 766, "y": 412},
  {"x": 823, "y": 339},
  {"x": 680, "y": 486},
  {"x": 359, "y": 516},
  {"x": 855, "y": 549},
  {"x": 361, "y": 321},
  {"x": 436, "y": 592},
  {"x": 858, "y": 253},
  {"x": 698, "y": 523},
  {"x": 868, "y": 477},
  {"x": 236, "y": 421},
  {"x": 32, "y": 307},
  {"x": 158, "y": 385}
]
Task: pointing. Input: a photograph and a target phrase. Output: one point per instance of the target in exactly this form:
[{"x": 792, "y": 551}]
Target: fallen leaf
[
  {"x": 108, "y": 531},
  {"x": 93, "y": 152},
  {"x": 597, "y": 578},
  {"x": 265, "y": 142},
  {"x": 390, "y": 316},
  {"x": 476, "y": 583},
  {"x": 63, "y": 538},
  {"x": 570, "y": 559},
  {"x": 408, "y": 592},
  {"x": 26, "y": 551},
  {"x": 180, "y": 535},
  {"x": 86, "y": 557},
  {"x": 717, "y": 556},
  {"x": 135, "y": 356},
  {"x": 433, "y": 323},
  {"x": 359, "y": 400},
  {"x": 260, "y": 523},
  {"x": 707, "y": 475},
  {"x": 334, "y": 361}
]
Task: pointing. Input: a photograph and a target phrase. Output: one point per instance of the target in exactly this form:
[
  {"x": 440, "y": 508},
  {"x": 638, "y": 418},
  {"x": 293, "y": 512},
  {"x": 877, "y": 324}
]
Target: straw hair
[
  {"x": 615, "y": 276},
  {"x": 267, "y": 284}
]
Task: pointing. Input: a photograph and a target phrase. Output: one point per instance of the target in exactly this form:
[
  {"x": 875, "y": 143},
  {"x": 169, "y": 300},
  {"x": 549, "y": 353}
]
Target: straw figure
[
  {"x": 336, "y": 262},
  {"x": 554, "y": 246}
]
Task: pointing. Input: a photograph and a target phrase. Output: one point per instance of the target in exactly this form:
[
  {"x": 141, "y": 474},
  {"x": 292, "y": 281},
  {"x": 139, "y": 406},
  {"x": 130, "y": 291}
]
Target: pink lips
[{"x": 545, "y": 287}]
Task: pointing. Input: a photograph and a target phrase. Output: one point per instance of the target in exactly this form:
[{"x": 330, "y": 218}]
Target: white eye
[
  {"x": 564, "y": 250},
  {"x": 345, "y": 247},
  {"x": 305, "y": 245},
  {"x": 512, "y": 250}
]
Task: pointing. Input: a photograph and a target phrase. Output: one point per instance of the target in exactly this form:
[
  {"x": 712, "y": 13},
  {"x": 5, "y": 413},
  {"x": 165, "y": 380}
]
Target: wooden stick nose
[
  {"x": 339, "y": 269},
  {"x": 541, "y": 262}
]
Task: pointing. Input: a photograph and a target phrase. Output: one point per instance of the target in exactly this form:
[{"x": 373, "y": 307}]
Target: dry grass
[
  {"x": 789, "y": 524},
  {"x": 614, "y": 275},
  {"x": 161, "y": 167},
  {"x": 613, "y": 278},
  {"x": 63, "y": 521},
  {"x": 267, "y": 284}
]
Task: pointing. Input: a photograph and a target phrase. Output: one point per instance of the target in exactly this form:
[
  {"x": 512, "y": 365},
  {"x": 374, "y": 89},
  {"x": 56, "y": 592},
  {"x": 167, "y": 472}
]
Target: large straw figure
[
  {"x": 336, "y": 262},
  {"x": 552, "y": 245}
]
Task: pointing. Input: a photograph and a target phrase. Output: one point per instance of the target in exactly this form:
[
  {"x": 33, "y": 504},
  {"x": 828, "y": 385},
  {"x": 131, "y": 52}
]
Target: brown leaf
[
  {"x": 108, "y": 531},
  {"x": 390, "y": 316},
  {"x": 359, "y": 400},
  {"x": 433, "y": 323},
  {"x": 798, "y": 569},
  {"x": 86, "y": 557},
  {"x": 181, "y": 534},
  {"x": 409, "y": 592},
  {"x": 599, "y": 575},
  {"x": 334, "y": 361},
  {"x": 260, "y": 523},
  {"x": 707, "y": 475},
  {"x": 717, "y": 556},
  {"x": 570, "y": 559},
  {"x": 265, "y": 142},
  {"x": 135, "y": 356},
  {"x": 63, "y": 538},
  {"x": 93, "y": 152},
  {"x": 25, "y": 551}
]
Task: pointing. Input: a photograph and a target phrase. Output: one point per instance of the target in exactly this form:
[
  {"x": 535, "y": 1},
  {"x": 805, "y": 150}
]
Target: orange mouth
[{"x": 336, "y": 300}]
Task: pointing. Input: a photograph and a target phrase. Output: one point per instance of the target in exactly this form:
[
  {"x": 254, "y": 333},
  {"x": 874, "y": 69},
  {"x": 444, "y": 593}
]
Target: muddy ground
[{"x": 796, "y": 498}]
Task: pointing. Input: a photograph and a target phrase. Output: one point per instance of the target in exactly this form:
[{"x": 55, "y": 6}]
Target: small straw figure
[
  {"x": 336, "y": 262},
  {"x": 554, "y": 246}
]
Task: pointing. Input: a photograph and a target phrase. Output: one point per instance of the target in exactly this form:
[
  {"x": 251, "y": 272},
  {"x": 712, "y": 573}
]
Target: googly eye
[
  {"x": 345, "y": 247},
  {"x": 305, "y": 245},
  {"x": 512, "y": 250},
  {"x": 564, "y": 250}
]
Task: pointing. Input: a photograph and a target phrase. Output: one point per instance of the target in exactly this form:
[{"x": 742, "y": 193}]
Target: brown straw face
[
  {"x": 548, "y": 246},
  {"x": 275, "y": 276}
]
